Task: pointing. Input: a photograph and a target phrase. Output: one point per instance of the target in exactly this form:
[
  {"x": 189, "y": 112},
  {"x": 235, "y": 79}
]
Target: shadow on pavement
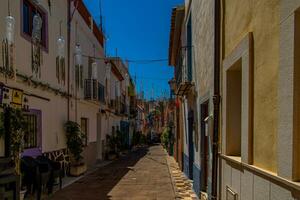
[{"x": 98, "y": 184}]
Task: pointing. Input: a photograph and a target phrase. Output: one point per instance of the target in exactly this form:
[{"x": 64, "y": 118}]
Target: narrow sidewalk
[{"x": 183, "y": 187}]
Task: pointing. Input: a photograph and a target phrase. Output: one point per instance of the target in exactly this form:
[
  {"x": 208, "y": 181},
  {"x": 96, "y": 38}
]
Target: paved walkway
[{"x": 141, "y": 175}]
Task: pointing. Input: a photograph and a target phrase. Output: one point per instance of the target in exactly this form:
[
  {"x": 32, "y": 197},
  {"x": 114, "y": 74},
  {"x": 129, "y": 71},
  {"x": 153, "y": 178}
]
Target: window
[
  {"x": 91, "y": 89},
  {"x": 90, "y": 71},
  {"x": 30, "y": 136},
  {"x": 113, "y": 130},
  {"x": 106, "y": 88},
  {"x": 204, "y": 145},
  {"x": 234, "y": 108},
  {"x": 29, "y": 10},
  {"x": 238, "y": 101},
  {"x": 189, "y": 50},
  {"x": 101, "y": 93},
  {"x": 84, "y": 123}
]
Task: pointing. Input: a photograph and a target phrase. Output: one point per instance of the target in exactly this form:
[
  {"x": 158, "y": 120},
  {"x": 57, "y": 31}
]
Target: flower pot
[
  {"x": 78, "y": 170},
  {"x": 22, "y": 194},
  {"x": 112, "y": 156}
]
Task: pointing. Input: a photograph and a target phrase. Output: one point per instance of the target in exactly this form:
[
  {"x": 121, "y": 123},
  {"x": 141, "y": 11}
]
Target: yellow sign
[{"x": 17, "y": 97}]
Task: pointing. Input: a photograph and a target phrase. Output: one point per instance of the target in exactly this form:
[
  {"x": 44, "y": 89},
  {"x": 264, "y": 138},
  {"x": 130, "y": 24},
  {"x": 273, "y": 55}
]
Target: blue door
[
  {"x": 191, "y": 144},
  {"x": 125, "y": 133}
]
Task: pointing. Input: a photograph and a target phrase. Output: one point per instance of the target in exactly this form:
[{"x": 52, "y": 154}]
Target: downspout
[
  {"x": 216, "y": 99},
  {"x": 69, "y": 52}
]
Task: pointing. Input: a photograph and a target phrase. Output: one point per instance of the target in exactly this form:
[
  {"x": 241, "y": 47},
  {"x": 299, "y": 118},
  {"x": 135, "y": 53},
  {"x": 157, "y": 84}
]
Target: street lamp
[{"x": 172, "y": 84}]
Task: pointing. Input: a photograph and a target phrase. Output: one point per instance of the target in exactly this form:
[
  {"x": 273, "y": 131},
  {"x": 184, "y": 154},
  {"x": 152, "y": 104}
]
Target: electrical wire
[
  {"x": 152, "y": 78},
  {"x": 150, "y": 61}
]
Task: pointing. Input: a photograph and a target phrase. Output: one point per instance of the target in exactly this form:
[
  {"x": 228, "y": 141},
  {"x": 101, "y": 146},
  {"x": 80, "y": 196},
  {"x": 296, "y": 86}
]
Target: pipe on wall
[
  {"x": 216, "y": 98},
  {"x": 69, "y": 53}
]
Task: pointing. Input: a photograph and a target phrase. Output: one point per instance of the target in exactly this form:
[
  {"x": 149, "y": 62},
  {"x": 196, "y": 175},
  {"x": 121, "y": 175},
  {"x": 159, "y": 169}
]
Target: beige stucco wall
[
  {"x": 53, "y": 137},
  {"x": 23, "y": 47},
  {"x": 54, "y": 111},
  {"x": 54, "y": 114},
  {"x": 84, "y": 36},
  {"x": 89, "y": 110},
  {"x": 288, "y": 90},
  {"x": 261, "y": 18},
  {"x": 203, "y": 58}
]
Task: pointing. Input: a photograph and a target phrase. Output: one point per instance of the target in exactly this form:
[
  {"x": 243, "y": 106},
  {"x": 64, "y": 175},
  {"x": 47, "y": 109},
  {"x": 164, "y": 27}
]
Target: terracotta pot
[
  {"x": 22, "y": 194},
  {"x": 112, "y": 156},
  {"x": 78, "y": 170}
]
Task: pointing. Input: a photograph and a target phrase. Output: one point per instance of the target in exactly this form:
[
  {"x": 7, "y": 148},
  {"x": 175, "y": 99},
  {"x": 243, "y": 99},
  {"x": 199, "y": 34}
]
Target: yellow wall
[{"x": 261, "y": 18}]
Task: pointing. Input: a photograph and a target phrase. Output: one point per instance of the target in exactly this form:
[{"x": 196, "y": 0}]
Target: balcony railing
[
  {"x": 112, "y": 104},
  {"x": 184, "y": 70},
  {"x": 101, "y": 93},
  {"x": 119, "y": 106},
  {"x": 91, "y": 89}
]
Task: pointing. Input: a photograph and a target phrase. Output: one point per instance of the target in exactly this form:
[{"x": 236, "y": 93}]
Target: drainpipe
[
  {"x": 216, "y": 99},
  {"x": 69, "y": 52}
]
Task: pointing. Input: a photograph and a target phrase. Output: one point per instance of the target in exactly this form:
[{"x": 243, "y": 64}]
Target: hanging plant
[
  {"x": 60, "y": 61},
  {"x": 36, "y": 52},
  {"x": 81, "y": 76},
  {"x": 94, "y": 66},
  {"x": 78, "y": 67},
  {"x": 8, "y": 47}
]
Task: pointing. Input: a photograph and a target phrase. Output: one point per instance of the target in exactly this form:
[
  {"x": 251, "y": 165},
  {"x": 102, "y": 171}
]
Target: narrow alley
[
  {"x": 143, "y": 174},
  {"x": 150, "y": 100}
]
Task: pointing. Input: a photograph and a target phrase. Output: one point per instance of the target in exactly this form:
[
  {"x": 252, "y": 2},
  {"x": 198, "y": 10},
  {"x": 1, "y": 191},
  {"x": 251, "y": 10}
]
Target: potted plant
[
  {"x": 16, "y": 126},
  {"x": 111, "y": 149},
  {"x": 75, "y": 145}
]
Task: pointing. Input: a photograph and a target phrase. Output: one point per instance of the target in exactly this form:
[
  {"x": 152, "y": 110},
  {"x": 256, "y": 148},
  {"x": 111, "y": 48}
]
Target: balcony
[
  {"x": 101, "y": 93},
  {"x": 91, "y": 89},
  {"x": 124, "y": 110},
  {"x": 94, "y": 91},
  {"x": 112, "y": 104},
  {"x": 184, "y": 71},
  {"x": 120, "y": 106}
]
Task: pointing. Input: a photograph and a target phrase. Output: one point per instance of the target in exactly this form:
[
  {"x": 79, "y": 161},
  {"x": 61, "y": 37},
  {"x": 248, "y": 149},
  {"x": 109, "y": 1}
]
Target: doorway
[
  {"x": 191, "y": 143},
  {"x": 99, "y": 138},
  {"x": 204, "y": 154}
]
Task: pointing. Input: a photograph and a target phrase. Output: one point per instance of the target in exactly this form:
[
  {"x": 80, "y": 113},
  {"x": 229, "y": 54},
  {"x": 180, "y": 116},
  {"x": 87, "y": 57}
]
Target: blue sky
[{"x": 139, "y": 30}]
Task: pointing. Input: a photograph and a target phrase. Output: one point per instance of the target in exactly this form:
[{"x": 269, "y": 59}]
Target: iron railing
[
  {"x": 184, "y": 66},
  {"x": 91, "y": 89}
]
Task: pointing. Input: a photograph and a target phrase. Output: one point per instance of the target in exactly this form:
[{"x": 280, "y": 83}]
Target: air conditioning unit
[{"x": 230, "y": 194}]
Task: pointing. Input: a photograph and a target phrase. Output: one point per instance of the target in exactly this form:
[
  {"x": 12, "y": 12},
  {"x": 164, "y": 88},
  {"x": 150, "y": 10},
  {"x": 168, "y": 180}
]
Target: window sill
[
  {"x": 236, "y": 159},
  {"x": 261, "y": 172}
]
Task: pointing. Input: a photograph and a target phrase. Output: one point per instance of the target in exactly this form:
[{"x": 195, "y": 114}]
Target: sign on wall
[{"x": 17, "y": 97}]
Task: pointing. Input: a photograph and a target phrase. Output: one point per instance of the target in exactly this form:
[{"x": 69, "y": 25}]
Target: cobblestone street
[{"x": 143, "y": 174}]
